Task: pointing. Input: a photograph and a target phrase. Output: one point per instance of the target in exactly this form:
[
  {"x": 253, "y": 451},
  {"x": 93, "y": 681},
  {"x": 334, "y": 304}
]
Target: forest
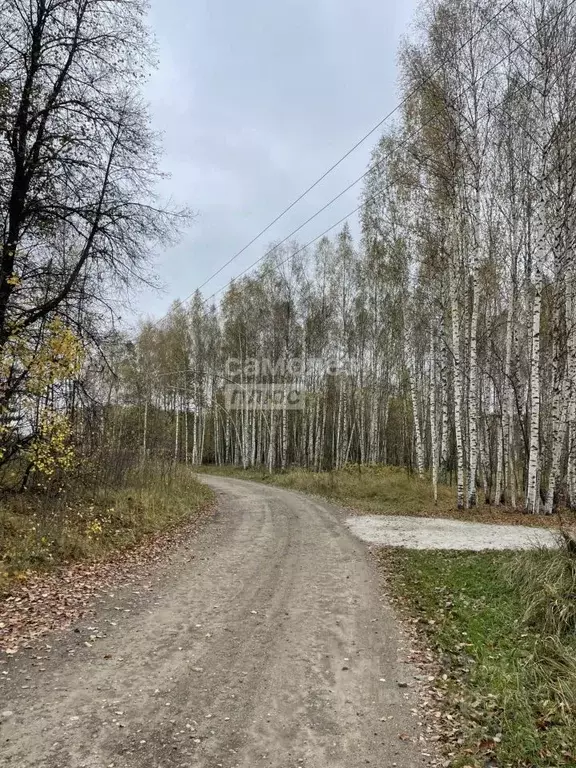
[
  {"x": 441, "y": 337},
  {"x": 433, "y": 330}
]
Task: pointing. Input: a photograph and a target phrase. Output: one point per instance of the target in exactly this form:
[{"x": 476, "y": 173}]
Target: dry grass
[
  {"x": 39, "y": 531},
  {"x": 546, "y": 582},
  {"x": 385, "y": 490}
]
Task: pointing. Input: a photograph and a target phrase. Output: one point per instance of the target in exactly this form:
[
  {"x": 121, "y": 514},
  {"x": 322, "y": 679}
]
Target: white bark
[
  {"x": 433, "y": 422},
  {"x": 508, "y": 399},
  {"x": 417, "y": 430},
  {"x": 145, "y": 432},
  {"x": 473, "y": 373},
  {"x": 455, "y": 316},
  {"x": 532, "y": 488},
  {"x": 444, "y": 435},
  {"x": 177, "y": 431}
]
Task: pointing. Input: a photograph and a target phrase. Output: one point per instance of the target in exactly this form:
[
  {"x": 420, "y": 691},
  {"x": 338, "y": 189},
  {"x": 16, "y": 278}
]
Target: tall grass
[
  {"x": 508, "y": 678},
  {"x": 84, "y": 521},
  {"x": 546, "y": 581},
  {"x": 379, "y": 489},
  {"x": 382, "y": 490}
]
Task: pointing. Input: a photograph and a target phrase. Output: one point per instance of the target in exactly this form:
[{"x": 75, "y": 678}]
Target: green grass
[
  {"x": 381, "y": 490},
  {"x": 40, "y": 531},
  {"x": 512, "y": 682}
]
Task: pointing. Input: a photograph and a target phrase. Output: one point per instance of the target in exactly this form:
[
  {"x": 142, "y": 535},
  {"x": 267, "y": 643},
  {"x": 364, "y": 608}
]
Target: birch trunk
[
  {"x": 473, "y": 391},
  {"x": 284, "y": 456},
  {"x": 433, "y": 423},
  {"x": 227, "y": 456},
  {"x": 177, "y": 431},
  {"x": 417, "y": 430},
  {"x": 145, "y": 432},
  {"x": 322, "y": 437},
  {"x": 455, "y": 315},
  {"x": 337, "y": 446},
  {"x": 444, "y": 435},
  {"x": 532, "y": 490},
  {"x": 559, "y": 428},
  {"x": 374, "y": 426},
  {"x": 345, "y": 438},
  {"x": 508, "y": 399},
  {"x": 499, "y": 462},
  {"x": 202, "y": 437},
  {"x": 186, "y": 433},
  {"x": 272, "y": 444},
  {"x": 571, "y": 390}
]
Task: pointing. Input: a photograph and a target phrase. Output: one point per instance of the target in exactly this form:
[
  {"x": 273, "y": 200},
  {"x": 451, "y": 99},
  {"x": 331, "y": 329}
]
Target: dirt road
[{"x": 265, "y": 644}]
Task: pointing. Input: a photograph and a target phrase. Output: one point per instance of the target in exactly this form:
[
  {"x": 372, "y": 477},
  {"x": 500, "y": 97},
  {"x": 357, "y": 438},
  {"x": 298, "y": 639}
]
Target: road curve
[{"x": 264, "y": 643}]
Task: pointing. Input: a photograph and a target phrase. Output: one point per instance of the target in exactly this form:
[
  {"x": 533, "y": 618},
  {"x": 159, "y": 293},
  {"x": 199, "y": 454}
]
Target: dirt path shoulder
[{"x": 266, "y": 643}]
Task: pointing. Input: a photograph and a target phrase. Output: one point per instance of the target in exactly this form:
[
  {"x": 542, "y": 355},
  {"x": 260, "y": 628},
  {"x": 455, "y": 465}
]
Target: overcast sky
[{"x": 255, "y": 100}]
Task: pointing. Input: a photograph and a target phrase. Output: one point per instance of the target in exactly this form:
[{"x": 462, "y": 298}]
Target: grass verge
[
  {"x": 40, "y": 532},
  {"x": 509, "y": 675},
  {"x": 383, "y": 490}
]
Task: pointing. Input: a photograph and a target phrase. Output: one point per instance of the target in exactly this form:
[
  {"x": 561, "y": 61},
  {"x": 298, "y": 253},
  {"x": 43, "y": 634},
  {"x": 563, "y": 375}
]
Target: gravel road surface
[
  {"x": 439, "y": 533},
  {"x": 265, "y": 643}
]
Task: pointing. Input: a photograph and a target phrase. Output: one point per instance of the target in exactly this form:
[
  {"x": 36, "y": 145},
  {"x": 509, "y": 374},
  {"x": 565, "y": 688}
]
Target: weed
[
  {"x": 513, "y": 684},
  {"x": 382, "y": 490},
  {"x": 546, "y": 581},
  {"x": 40, "y": 531}
]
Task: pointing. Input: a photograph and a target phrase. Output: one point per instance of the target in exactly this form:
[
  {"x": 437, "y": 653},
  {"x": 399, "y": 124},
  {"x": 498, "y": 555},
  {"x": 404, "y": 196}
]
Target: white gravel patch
[{"x": 439, "y": 533}]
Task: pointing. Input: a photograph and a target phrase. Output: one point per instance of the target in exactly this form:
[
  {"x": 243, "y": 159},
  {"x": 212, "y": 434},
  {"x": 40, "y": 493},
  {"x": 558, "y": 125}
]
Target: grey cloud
[{"x": 255, "y": 100}]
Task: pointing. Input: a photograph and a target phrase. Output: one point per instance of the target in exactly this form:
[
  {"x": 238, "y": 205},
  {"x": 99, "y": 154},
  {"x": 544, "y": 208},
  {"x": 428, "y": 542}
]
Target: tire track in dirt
[{"x": 271, "y": 646}]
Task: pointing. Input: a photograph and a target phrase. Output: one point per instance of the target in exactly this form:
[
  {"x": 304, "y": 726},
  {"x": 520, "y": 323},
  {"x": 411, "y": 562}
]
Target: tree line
[
  {"x": 439, "y": 337},
  {"x": 450, "y": 317}
]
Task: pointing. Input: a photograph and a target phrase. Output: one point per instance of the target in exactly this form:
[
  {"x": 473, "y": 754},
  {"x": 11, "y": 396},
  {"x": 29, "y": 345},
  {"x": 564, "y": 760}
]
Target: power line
[
  {"x": 382, "y": 191},
  {"x": 395, "y": 148},
  {"x": 335, "y": 165}
]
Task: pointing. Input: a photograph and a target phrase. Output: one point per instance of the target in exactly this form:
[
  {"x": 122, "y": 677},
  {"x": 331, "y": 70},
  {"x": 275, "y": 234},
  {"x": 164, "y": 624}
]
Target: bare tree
[{"x": 78, "y": 164}]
